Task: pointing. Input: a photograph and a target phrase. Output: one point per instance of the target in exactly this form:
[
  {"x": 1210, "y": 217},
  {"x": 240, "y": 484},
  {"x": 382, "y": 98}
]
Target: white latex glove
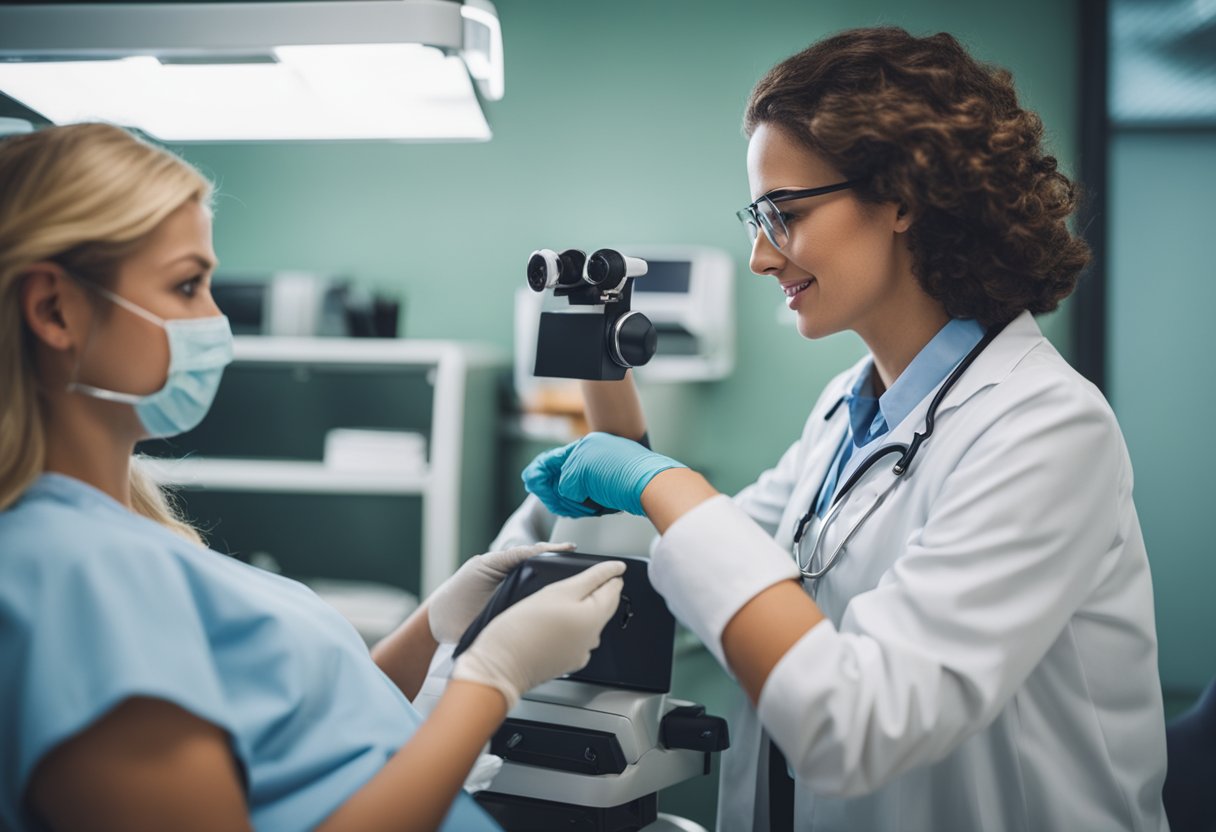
[
  {"x": 461, "y": 598},
  {"x": 483, "y": 773},
  {"x": 547, "y": 634}
]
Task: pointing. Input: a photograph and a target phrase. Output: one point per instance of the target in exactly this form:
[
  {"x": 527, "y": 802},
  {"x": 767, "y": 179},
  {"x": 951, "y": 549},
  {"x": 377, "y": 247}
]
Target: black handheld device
[{"x": 635, "y": 646}]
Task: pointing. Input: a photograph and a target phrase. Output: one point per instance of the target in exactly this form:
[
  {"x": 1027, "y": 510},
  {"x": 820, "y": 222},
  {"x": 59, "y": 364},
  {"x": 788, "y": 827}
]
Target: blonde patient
[{"x": 151, "y": 683}]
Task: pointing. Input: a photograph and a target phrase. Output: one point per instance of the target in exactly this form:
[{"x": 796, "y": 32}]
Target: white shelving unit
[
  {"x": 285, "y": 476},
  {"x": 458, "y": 428}
]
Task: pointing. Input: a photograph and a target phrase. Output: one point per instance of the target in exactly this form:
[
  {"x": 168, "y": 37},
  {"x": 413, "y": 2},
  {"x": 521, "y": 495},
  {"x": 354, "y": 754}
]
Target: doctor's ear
[
  {"x": 52, "y": 307},
  {"x": 903, "y": 218}
]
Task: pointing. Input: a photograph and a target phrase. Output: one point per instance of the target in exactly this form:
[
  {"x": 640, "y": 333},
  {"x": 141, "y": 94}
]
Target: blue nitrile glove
[{"x": 601, "y": 467}]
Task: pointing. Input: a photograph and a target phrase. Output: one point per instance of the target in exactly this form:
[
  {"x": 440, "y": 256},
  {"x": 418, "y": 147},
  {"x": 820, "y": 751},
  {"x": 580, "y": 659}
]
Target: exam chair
[{"x": 1190, "y": 781}]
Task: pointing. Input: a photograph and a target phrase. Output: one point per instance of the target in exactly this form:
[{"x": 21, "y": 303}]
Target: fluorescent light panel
[{"x": 406, "y": 92}]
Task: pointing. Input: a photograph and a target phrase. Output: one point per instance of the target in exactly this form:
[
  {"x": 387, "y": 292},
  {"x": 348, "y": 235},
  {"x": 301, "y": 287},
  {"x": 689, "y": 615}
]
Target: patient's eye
[{"x": 189, "y": 288}]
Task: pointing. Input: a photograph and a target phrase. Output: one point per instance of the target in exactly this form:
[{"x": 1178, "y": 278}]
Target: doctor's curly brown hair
[{"x": 929, "y": 127}]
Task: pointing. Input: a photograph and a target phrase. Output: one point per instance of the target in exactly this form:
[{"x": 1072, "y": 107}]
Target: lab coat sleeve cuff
[{"x": 711, "y": 562}]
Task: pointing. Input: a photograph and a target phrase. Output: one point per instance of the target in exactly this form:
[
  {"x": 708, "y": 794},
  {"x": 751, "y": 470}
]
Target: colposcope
[
  {"x": 599, "y": 337},
  {"x": 591, "y": 751}
]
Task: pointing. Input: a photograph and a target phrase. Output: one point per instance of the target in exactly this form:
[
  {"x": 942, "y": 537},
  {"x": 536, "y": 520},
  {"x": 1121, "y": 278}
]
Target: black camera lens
[
  {"x": 538, "y": 273},
  {"x": 606, "y": 267},
  {"x": 632, "y": 340}
]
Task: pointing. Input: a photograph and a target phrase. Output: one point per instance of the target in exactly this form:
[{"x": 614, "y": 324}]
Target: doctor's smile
[
  {"x": 793, "y": 290},
  {"x": 376, "y": 436}
]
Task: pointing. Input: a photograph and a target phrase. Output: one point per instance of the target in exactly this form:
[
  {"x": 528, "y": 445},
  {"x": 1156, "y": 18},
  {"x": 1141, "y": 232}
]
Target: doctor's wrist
[{"x": 672, "y": 493}]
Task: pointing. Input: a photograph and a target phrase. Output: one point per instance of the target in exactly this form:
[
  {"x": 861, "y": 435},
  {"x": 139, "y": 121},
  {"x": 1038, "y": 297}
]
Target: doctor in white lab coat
[{"x": 982, "y": 652}]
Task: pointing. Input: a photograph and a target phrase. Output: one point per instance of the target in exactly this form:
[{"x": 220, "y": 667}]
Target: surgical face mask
[{"x": 199, "y": 350}]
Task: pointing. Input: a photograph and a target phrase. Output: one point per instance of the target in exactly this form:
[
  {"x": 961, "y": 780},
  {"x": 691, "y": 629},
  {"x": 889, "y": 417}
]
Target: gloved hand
[
  {"x": 461, "y": 598},
  {"x": 607, "y": 469},
  {"x": 547, "y": 634}
]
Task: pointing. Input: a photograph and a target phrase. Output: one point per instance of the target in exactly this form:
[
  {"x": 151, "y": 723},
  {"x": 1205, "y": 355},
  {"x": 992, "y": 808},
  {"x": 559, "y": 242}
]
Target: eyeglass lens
[{"x": 764, "y": 215}]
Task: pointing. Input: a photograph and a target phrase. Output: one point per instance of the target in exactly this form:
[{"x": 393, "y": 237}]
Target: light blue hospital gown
[{"x": 98, "y": 604}]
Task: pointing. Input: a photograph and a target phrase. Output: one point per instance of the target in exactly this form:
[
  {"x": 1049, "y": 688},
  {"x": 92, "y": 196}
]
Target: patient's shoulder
[{"x": 44, "y": 533}]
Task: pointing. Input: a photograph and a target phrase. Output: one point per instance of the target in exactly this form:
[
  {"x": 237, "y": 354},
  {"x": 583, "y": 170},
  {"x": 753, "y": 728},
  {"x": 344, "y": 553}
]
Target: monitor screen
[{"x": 665, "y": 276}]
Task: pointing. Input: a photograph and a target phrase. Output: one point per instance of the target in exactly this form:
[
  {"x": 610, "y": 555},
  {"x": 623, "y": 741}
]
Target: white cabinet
[{"x": 255, "y": 475}]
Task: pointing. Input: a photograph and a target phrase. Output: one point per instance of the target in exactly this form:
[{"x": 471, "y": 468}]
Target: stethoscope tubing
[
  {"x": 815, "y": 574},
  {"x": 902, "y": 466}
]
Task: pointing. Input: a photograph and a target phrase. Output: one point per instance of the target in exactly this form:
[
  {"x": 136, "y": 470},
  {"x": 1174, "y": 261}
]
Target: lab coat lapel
[
  {"x": 879, "y": 476},
  {"x": 820, "y": 455},
  {"x": 996, "y": 362},
  {"x": 851, "y": 575},
  {"x": 990, "y": 367}
]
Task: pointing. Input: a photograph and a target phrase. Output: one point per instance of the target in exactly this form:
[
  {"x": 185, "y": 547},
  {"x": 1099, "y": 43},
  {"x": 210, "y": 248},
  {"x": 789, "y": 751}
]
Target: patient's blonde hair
[{"x": 85, "y": 196}]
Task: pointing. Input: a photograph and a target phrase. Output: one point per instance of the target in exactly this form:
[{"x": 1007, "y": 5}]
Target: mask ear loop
[
  {"x": 74, "y": 379},
  {"x": 133, "y": 308},
  {"x": 74, "y": 384}
]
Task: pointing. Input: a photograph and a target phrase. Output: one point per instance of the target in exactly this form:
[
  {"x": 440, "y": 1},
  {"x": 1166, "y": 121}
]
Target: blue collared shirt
[{"x": 870, "y": 417}]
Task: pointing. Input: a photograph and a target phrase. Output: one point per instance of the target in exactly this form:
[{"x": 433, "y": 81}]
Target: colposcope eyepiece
[
  {"x": 600, "y": 338},
  {"x": 548, "y": 269},
  {"x": 543, "y": 270},
  {"x": 607, "y": 268}
]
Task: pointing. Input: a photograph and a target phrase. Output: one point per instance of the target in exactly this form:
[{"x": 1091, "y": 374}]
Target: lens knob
[{"x": 633, "y": 340}]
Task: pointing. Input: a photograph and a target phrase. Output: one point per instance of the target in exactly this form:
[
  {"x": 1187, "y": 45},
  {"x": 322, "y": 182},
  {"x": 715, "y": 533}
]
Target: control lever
[{"x": 689, "y": 727}]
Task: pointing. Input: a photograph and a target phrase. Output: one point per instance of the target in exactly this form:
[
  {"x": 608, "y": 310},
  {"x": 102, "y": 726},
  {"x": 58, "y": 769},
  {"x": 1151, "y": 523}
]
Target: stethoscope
[{"x": 907, "y": 453}]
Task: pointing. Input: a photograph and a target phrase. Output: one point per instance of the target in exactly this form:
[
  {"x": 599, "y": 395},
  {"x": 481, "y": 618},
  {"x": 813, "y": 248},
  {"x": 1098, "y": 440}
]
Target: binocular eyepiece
[
  {"x": 590, "y": 346},
  {"x": 606, "y": 269},
  {"x": 547, "y": 269}
]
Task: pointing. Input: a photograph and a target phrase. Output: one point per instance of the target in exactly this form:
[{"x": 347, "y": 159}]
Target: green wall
[
  {"x": 621, "y": 123},
  {"x": 1162, "y": 293}
]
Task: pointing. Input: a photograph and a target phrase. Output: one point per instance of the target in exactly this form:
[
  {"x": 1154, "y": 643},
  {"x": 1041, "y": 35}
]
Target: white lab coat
[{"x": 989, "y": 657}]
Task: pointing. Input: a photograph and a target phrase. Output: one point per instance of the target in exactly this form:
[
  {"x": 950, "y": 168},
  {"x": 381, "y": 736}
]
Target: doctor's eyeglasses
[{"x": 764, "y": 213}]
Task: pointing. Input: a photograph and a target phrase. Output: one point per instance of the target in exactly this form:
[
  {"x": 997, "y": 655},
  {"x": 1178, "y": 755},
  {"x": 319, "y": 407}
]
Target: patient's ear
[{"x": 53, "y": 306}]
